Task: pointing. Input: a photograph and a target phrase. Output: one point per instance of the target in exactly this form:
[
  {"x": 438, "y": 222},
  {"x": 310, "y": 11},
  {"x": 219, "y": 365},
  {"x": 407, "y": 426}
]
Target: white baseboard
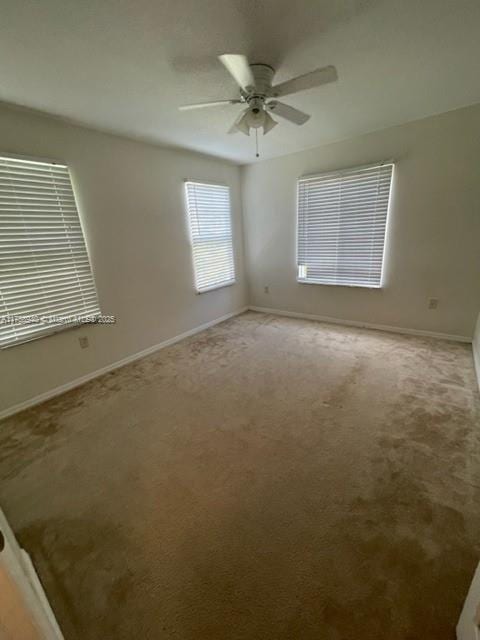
[
  {"x": 364, "y": 325},
  {"x": 115, "y": 365}
]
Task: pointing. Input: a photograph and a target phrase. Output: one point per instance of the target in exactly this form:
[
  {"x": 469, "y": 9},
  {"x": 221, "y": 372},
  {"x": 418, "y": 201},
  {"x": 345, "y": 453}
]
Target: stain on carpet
[{"x": 270, "y": 479}]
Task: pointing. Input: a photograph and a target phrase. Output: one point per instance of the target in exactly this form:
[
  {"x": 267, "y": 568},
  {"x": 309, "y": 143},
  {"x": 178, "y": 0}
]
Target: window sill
[
  {"x": 47, "y": 333},
  {"x": 340, "y": 284},
  {"x": 217, "y": 286}
]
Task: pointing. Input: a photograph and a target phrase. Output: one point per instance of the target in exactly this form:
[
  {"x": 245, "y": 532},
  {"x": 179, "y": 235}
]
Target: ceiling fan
[{"x": 257, "y": 92}]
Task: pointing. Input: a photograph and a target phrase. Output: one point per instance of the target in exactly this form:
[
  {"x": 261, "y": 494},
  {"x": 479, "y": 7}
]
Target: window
[
  {"x": 208, "y": 207},
  {"x": 342, "y": 218},
  {"x": 45, "y": 274}
]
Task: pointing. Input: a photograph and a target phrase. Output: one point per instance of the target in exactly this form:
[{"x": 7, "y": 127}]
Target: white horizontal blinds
[
  {"x": 342, "y": 219},
  {"x": 44, "y": 266},
  {"x": 209, "y": 217}
]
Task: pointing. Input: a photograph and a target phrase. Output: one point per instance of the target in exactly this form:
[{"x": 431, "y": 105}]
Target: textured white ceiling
[{"x": 126, "y": 65}]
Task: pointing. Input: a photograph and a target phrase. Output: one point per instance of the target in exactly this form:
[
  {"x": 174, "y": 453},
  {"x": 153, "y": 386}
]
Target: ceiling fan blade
[
  {"x": 202, "y": 105},
  {"x": 287, "y": 112},
  {"x": 269, "y": 123},
  {"x": 307, "y": 81},
  {"x": 238, "y": 67}
]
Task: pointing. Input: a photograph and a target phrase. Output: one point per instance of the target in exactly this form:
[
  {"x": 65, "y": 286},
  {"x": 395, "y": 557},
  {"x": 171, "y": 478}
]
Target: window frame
[
  {"x": 340, "y": 172},
  {"x": 50, "y": 331},
  {"x": 227, "y": 283}
]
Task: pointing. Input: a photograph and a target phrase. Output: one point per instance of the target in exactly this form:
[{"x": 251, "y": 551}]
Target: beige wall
[
  {"x": 433, "y": 234},
  {"x": 130, "y": 197}
]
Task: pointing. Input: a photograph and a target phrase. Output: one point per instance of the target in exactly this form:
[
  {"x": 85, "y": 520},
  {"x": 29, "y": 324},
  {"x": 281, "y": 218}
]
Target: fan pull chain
[{"x": 256, "y": 144}]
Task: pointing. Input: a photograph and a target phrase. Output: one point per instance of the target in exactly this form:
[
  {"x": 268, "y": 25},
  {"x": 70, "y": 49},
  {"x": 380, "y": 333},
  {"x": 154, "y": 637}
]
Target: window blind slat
[
  {"x": 342, "y": 219},
  {"x": 44, "y": 265},
  {"x": 209, "y": 216}
]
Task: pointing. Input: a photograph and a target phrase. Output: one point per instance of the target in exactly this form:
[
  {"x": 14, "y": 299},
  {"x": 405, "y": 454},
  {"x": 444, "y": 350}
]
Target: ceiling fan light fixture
[
  {"x": 242, "y": 124},
  {"x": 256, "y": 116},
  {"x": 269, "y": 123}
]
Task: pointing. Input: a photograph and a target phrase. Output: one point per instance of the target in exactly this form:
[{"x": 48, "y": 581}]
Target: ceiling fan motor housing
[{"x": 263, "y": 74}]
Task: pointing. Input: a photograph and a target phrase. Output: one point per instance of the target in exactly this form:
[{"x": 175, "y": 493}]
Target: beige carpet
[{"x": 267, "y": 479}]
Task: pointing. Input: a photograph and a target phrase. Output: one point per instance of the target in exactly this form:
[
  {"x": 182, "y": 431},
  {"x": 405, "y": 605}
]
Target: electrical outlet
[
  {"x": 432, "y": 303},
  {"x": 83, "y": 341},
  {"x": 266, "y": 289}
]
